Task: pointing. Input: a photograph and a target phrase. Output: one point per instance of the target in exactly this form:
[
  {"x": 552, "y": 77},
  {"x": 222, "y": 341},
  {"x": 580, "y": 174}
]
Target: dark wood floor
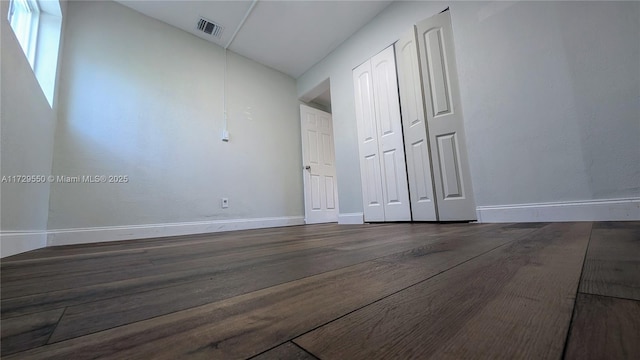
[{"x": 381, "y": 291}]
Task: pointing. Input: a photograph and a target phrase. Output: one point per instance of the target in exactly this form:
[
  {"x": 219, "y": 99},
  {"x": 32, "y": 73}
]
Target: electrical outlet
[{"x": 225, "y": 203}]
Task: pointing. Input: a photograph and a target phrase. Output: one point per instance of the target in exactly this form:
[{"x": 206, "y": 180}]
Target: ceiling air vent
[{"x": 209, "y": 27}]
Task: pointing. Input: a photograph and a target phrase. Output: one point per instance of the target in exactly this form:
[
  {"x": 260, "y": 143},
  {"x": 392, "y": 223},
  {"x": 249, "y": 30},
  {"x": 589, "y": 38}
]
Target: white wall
[
  {"x": 27, "y": 126},
  {"x": 144, "y": 99},
  {"x": 550, "y": 95},
  {"x": 552, "y": 105}
]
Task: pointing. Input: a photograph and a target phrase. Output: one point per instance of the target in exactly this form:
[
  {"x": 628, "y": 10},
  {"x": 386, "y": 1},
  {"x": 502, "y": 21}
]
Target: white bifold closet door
[
  {"x": 416, "y": 140},
  {"x": 382, "y": 162},
  {"x": 452, "y": 180}
]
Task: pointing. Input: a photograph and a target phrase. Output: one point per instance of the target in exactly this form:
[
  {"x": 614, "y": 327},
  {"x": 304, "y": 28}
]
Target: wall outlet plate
[{"x": 224, "y": 203}]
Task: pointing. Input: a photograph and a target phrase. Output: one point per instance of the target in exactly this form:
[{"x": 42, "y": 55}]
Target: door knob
[{"x": 307, "y": 167}]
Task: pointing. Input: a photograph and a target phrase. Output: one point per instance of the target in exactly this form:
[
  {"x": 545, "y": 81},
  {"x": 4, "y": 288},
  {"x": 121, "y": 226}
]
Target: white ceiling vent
[{"x": 209, "y": 27}]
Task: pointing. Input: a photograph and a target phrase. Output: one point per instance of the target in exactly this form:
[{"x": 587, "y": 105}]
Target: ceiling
[{"x": 289, "y": 36}]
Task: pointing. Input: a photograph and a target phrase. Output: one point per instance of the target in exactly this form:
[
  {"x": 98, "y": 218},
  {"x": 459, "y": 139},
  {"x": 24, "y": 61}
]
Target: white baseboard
[
  {"x": 14, "y": 242},
  {"x": 351, "y": 218},
  {"x": 116, "y": 233},
  {"x": 591, "y": 210}
]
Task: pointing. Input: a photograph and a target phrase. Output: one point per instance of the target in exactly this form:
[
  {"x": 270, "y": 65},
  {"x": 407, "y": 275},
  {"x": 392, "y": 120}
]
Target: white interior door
[
  {"x": 416, "y": 140},
  {"x": 318, "y": 156},
  {"x": 391, "y": 145},
  {"x": 444, "y": 120},
  {"x": 370, "y": 173}
]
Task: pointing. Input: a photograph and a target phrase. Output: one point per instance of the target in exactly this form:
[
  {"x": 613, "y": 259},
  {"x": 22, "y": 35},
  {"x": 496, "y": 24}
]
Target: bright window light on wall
[
  {"x": 23, "y": 17},
  {"x": 38, "y": 25}
]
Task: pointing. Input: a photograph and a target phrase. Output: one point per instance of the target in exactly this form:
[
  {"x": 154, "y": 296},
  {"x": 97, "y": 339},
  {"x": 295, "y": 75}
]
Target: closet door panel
[
  {"x": 391, "y": 143},
  {"x": 452, "y": 180},
  {"x": 416, "y": 141},
  {"x": 368, "y": 144}
]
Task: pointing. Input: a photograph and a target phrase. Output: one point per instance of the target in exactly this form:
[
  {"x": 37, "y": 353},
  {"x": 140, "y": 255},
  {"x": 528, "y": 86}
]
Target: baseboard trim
[
  {"x": 15, "y": 242},
  {"x": 591, "y": 210},
  {"x": 117, "y": 233},
  {"x": 351, "y": 218}
]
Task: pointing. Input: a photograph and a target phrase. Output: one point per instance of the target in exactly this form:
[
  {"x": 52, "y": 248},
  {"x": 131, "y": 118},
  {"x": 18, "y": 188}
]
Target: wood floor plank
[
  {"x": 26, "y": 332},
  {"x": 514, "y": 302},
  {"x": 383, "y": 291},
  {"x": 612, "y": 267},
  {"x": 220, "y": 253},
  {"x": 180, "y": 245},
  {"x": 130, "y": 282},
  {"x": 239, "y": 327},
  {"x": 209, "y": 273},
  {"x": 233, "y": 249},
  {"x": 100, "y": 315},
  {"x": 246, "y": 325},
  {"x": 54, "y": 271},
  {"x": 286, "y": 351},
  {"x": 189, "y": 246},
  {"x": 91, "y": 249},
  {"x": 604, "y": 328}
]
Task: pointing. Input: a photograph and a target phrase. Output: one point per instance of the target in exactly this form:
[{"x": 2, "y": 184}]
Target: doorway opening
[
  {"x": 319, "y": 97},
  {"x": 318, "y": 156}
]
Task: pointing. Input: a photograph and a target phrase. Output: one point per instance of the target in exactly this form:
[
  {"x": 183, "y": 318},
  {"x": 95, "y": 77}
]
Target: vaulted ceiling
[{"x": 289, "y": 36}]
